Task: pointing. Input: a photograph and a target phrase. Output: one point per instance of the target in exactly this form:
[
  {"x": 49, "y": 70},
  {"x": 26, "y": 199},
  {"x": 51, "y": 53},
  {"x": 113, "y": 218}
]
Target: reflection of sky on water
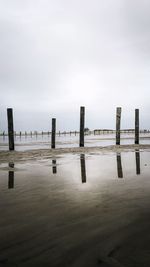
[
  {"x": 70, "y": 199},
  {"x": 39, "y": 142},
  {"x": 77, "y": 169}
]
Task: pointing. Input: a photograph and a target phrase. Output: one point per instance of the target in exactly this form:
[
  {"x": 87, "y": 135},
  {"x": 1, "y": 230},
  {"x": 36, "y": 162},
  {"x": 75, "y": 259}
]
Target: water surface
[{"x": 76, "y": 210}]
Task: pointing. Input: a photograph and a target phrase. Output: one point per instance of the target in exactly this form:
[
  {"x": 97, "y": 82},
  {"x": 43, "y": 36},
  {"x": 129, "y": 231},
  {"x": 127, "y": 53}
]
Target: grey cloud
[{"x": 58, "y": 55}]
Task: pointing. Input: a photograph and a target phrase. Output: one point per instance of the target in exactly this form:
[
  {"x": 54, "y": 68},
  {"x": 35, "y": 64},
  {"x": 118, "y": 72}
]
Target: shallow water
[
  {"x": 66, "y": 141},
  {"x": 76, "y": 210}
]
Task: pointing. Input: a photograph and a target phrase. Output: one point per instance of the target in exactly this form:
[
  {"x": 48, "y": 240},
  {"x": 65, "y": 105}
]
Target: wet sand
[
  {"x": 75, "y": 207},
  {"x": 24, "y": 143},
  {"x": 48, "y": 153}
]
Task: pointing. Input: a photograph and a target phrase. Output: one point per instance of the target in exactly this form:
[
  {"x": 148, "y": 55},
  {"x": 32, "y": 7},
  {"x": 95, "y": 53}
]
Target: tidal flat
[{"x": 80, "y": 208}]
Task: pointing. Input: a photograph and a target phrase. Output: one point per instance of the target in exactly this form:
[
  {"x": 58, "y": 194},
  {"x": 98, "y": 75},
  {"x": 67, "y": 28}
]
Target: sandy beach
[
  {"x": 48, "y": 153},
  {"x": 74, "y": 133}
]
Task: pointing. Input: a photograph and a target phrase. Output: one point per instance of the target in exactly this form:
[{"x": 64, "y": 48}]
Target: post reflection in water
[
  {"x": 11, "y": 176},
  {"x": 54, "y": 167},
  {"x": 119, "y": 166},
  {"x": 83, "y": 168},
  {"x": 137, "y": 157}
]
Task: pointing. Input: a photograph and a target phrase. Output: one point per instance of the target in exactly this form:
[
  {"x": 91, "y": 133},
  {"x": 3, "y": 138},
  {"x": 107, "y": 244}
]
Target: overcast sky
[{"x": 56, "y": 55}]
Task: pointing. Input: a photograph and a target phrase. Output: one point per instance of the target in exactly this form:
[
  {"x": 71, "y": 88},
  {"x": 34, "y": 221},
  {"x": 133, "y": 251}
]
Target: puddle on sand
[{"x": 76, "y": 210}]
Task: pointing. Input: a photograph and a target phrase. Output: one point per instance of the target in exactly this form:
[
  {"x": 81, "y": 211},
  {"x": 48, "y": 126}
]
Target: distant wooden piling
[
  {"x": 82, "y": 116},
  {"x": 10, "y": 128},
  {"x": 137, "y": 126},
  {"x": 53, "y": 133},
  {"x": 118, "y": 122}
]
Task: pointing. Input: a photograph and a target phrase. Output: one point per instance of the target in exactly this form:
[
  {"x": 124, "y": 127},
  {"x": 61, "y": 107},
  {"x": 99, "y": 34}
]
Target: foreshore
[
  {"x": 75, "y": 207},
  {"x": 16, "y": 156}
]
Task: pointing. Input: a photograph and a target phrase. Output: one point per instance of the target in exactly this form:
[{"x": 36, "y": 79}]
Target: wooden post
[
  {"x": 137, "y": 126},
  {"x": 82, "y": 115},
  {"x": 10, "y": 128},
  {"x": 53, "y": 133},
  {"x": 118, "y": 122}
]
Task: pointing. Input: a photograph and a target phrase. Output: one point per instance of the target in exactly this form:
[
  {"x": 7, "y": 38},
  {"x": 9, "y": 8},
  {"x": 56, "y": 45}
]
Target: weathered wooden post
[
  {"x": 137, "y": 126},
  {"x": 53, "y": 133},
  {"x": 82, "y": 115},
  {"x": 10, "y": 129},
  {"x": 118, "y": 122}
]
